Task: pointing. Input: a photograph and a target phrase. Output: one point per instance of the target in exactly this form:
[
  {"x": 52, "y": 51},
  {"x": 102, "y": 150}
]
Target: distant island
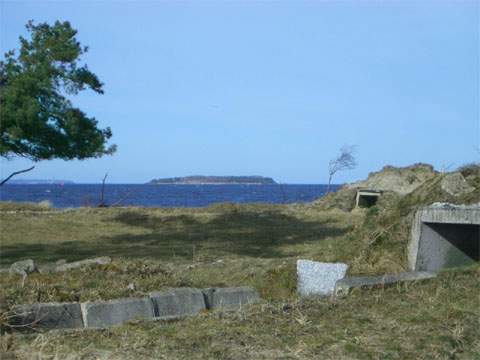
[
  {"x": 39, "y": 182},
  {"x": 205, "y": 180}
]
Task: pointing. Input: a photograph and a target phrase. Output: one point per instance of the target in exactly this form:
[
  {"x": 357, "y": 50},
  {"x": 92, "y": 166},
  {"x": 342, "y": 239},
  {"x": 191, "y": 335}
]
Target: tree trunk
[
  {"x": 329, "y": 182},
  {"x": 102, "y": 193},
  {"x": 16, "y": 173}
]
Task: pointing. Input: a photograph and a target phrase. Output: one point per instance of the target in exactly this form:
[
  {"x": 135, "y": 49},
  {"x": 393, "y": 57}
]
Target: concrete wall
[
  {"x": 446, "y": 245},
  {"x": 444, "y": 236}
]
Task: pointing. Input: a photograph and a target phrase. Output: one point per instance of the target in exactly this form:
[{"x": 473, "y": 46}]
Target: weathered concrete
[
  {"x": 107, "y": 313},
  {"x": 449, "y": 213},
  {"x": 171, "y": 304},
  {"x": 88, "y": 262},
  {"x": 49, "y": 316},
  {"x": 23, "y": 267},
  {"x": 444, "y": 235},
  {"x": 317, "y": 278},
  {"x": 177, "y": 303},
  {"x": 343, "y": 286},
  {"x": 230, "y": 298}
]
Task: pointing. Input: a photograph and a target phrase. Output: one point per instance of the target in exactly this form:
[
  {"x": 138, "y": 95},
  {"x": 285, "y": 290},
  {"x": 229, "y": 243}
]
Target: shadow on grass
[{"x": 238, "y": 232}]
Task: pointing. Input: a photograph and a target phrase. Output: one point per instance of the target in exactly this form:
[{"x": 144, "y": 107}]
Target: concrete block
[
  {"x": 343, "y": 286},
  {"x": 49, "y": 315},
  {"x": 107, "y": 313},
  {"x": 177, "y": 303},
  {"x": 232, "y": 298},
  {"x": 317, "y": 278}
]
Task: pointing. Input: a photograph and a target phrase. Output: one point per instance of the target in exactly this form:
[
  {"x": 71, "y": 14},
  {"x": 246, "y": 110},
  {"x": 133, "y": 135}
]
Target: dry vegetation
[
  {"x": 435, "y": 319},
  {"x": 228, "y": 245}
]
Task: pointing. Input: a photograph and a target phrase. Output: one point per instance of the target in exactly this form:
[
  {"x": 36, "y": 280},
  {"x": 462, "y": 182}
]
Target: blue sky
[{"x": 271, "y": 88}]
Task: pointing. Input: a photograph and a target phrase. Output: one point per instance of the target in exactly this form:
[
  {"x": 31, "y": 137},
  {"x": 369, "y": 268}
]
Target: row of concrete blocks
[{"x": 172, "y": 304}]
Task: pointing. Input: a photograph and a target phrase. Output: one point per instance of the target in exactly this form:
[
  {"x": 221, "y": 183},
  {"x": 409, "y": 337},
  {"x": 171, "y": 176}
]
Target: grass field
[
  {"x": 229, "y": 245},
  {"x": 169, "y": 234},
  {"x": 156, "y": 248}
]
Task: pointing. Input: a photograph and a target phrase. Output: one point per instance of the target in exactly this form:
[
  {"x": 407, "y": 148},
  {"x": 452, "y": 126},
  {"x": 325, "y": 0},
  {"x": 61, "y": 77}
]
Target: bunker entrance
[
  {"x": 366, "y": 201},
  {"x": 446, "y": 245},
  {"x": 367, "y": 198}
]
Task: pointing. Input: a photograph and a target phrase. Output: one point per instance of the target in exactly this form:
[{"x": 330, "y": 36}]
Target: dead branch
[
  {"x": 102, "y": 193},
  {"x": 16, "y": 173}
]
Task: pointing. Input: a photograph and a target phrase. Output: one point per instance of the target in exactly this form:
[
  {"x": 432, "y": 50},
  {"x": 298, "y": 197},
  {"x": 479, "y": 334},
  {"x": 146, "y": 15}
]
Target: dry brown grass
[
  {"x": 436, "y": 319},
  {"x": 228, "y": 245}
]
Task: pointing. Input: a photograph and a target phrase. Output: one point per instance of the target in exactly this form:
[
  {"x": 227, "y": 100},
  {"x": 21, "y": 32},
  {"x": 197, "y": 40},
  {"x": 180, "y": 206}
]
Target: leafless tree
[{"x": 345, "y": 161}]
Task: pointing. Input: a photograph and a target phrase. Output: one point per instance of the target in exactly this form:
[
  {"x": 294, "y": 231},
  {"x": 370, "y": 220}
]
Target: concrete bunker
[
  {"x": 445, "y": 236},
  {"x": 367, "y": 198}
]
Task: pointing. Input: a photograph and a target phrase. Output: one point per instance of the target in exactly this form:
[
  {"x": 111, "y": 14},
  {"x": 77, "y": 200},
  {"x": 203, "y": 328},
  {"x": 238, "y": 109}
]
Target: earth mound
[
  {"x": 383, "y": 237},
  {"x": 419, "y": 182},
  {"x": 400, "y": 180}
]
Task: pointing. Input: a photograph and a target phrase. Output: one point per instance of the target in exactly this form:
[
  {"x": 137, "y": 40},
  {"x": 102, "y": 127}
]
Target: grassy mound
[
  {"x": 384, "y": 234},
  {"x": 394, "y": 182}
]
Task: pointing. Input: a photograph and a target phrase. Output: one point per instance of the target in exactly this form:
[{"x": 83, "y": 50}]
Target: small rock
[
  {"x": 23, "y": 267},
  {"x": 60, "y": 262},
  {"x": 88, "y": 262},
  {"x": 46, "y": 268},
  {"x": 131, "y": 286}
]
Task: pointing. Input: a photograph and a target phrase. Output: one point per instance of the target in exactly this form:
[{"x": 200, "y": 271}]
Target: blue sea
[{"x": 76, "y": 195}]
